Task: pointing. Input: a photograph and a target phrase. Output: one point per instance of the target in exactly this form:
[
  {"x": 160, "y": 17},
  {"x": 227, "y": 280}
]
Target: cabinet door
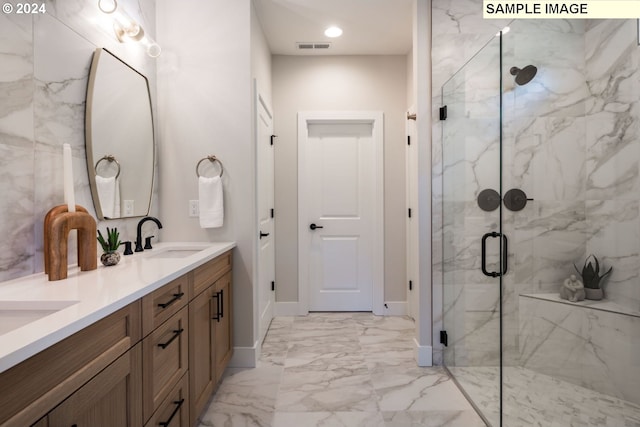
[
  {"x": 165, "y": 353},
  {"x": 201, "y": 359},
  {"x": 223, "y": 324},
  {"x": 111, "y": 398}
]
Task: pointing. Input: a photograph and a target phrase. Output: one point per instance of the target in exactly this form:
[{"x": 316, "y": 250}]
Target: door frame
[{"x": 376, "y": 119}]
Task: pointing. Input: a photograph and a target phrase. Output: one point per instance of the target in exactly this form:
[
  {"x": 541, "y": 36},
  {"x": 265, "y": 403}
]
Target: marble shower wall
[
  {"x": 570, "y": 143},
  {"x": 613, "y": 155},
  {"x": 44, "y": 67}
]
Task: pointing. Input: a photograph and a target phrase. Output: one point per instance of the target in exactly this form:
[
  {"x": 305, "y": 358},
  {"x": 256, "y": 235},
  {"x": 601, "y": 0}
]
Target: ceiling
[{"x": 371, "y": 27}]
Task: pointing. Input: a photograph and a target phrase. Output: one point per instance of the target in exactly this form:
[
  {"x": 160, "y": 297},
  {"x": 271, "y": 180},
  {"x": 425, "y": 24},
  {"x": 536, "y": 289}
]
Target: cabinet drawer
[
  {"x": 174, "y": 410},
  {"x": 163, "y": 303},
  {"x": 165, "y": 360},
  {"x": 29, "y": 390},
  {"x": 111, "y": 398},
  {"x": 206, "y": 274}
]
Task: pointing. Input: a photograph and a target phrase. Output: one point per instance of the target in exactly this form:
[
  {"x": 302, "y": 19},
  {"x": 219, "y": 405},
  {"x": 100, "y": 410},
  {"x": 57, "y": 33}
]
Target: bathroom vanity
[{"x": 143, "y": 343}]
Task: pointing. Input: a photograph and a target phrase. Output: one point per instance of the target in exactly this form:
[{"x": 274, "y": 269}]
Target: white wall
[
  {"x": 303, "y": 83},
  {"x": 204, "y": 107}
]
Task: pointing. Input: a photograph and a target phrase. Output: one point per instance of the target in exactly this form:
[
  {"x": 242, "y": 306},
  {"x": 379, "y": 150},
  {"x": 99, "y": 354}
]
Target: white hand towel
[
  {"x": 109, "y": 196},
  {"x": 211, "y": 203}
]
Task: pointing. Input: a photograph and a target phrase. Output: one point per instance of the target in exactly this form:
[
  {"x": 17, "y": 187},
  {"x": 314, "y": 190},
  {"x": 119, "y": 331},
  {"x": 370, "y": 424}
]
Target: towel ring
[
  {"x": 211, "y": 159},
  {"x": 110, "y": 158}
]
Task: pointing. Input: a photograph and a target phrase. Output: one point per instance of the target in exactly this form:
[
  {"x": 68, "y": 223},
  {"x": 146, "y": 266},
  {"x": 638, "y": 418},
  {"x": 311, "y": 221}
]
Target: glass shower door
[{"x": 472, "y": 233}]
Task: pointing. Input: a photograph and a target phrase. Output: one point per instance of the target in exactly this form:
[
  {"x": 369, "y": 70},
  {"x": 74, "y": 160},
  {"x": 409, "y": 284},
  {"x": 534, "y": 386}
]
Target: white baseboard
[
  {"x": 286, "y": 309},
  {"x": 423, "y": 354},
  {"x": 395, "y": 308},
  {"x": 245, "y": 357}
]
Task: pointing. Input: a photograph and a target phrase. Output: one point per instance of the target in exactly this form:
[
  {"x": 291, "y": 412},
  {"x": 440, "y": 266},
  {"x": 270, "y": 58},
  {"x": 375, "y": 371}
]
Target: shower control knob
[{"x": 515, "y": 199}]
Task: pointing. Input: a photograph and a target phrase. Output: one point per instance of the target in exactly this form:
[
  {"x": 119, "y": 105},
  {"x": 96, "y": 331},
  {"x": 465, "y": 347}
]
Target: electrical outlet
[
  {"x": 194, "y": 208},
  {"x": 128, "y": 208}
]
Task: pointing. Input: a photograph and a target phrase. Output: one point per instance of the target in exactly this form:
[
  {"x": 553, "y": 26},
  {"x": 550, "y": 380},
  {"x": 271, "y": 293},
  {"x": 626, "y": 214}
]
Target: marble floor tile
[
  {"x": 357, "y": 369},
  {"x": 342, "y": 370},
  {"x": 328, "y": 419},
  {"x": 432, "y": 419}
]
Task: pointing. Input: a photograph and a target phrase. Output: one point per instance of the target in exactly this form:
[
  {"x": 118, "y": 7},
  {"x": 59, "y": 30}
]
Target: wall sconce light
[{"x": 126, "y": 28}]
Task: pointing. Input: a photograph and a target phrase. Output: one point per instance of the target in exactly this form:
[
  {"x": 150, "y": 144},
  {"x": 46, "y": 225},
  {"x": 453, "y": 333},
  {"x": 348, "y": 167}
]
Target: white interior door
[
  {"x": 412, "y": 220},
  {"x": 340, "y": 210},
  {"x": 265, "y": 203}
]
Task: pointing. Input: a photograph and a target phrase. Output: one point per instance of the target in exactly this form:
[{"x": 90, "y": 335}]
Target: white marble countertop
[{"x": 88, "y": 296}]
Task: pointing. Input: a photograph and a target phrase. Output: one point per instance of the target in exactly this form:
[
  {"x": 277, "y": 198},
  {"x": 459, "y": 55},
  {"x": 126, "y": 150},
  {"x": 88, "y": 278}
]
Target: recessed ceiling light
[{"x": 333, "y": 32}]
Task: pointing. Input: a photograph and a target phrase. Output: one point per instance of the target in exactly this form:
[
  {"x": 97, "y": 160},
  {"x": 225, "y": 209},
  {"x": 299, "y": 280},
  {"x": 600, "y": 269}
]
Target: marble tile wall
[
  {"x": 570, "y": 143},
  {"x": 591, "y": 348},
  {"x": 44, "y": 66}
]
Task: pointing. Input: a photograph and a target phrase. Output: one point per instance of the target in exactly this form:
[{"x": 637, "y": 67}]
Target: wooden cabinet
[
  {"x": 154, "y": 363},
  {"x": 173, "y": 411},
  {"x": 202, "y": 376},
  {"x": 223, "y": 326},
  {"x": 165, "y": 360},
  {"x": 211, "y": 337},
  {"x": 111, "y": 398},
  {"x": 161, "y": 304},
  {"x": 32, "y": 388}
]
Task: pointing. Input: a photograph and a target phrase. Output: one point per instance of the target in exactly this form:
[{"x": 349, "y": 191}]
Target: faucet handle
[
  {"x": 147, "y": 242},
  {"x": 127, "y": 248}
]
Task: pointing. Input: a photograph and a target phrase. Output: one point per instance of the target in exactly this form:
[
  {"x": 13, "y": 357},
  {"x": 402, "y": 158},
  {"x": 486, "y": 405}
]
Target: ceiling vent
[{"x": 313, "y": 46}]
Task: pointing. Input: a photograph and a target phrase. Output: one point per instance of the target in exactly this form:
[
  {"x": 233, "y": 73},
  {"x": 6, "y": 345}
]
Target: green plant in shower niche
[
  {"x": 591, "y": 276},
  {"x": 113, "y": 240}
]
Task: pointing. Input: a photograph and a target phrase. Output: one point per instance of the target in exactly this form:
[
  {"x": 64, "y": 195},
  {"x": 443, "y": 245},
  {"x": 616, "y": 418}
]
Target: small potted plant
[
  {"x": 591, "y": 278},
  {"x": 110, "y": 246}
]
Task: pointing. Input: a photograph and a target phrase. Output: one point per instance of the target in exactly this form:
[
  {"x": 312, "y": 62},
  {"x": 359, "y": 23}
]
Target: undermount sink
[
  {"x": 15, "y": 314},
  {"x": 177, "y": 252}
]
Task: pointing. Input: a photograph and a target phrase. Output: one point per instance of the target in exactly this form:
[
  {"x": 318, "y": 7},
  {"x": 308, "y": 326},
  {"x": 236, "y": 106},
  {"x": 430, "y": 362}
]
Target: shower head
[{"x": 524, "y": 75}]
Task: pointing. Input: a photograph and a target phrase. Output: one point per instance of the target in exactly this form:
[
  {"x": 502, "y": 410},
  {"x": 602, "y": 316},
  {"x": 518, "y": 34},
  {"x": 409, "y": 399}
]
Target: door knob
[
  {"x": 263, "y": 234},
  {"x": 313, "y": 226}
]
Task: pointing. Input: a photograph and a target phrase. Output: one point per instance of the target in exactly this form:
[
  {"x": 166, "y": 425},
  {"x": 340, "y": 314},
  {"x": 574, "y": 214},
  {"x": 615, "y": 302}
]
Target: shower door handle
[{"x": 505, "y": 254}]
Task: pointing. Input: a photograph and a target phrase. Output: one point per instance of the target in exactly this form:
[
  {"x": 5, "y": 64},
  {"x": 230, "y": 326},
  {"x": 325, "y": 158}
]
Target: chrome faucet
[{"x": 139, "y": 235}]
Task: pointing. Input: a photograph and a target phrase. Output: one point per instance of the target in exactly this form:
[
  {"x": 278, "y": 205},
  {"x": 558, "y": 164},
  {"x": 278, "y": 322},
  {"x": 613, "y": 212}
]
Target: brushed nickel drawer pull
[
  {"x": 175, "y": 298},
  {"x": 176, "y": 334},
  {"x": 178, "y": 404}
]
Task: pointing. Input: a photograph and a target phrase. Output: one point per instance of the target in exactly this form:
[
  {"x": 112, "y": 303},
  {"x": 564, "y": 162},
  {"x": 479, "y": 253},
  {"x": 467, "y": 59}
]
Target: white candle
[{"x": 69, "y": 195}]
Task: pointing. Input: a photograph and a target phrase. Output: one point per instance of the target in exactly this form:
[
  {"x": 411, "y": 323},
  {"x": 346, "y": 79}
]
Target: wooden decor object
[
  {"x": 57, "y": 224},
  {"x": 47, "y": 224}
]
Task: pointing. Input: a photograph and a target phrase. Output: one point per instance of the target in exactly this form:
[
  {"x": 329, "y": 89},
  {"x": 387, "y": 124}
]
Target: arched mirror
[{"x": 119, "y": 138}]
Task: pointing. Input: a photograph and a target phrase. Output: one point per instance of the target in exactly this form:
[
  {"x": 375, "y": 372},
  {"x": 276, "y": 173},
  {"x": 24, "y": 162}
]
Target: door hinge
[
  {"x": 409, "y": 212},
  {"x": 273, "y": 136},
  {"x": 444, "y": 339},
  {"x": 273, "y": 213},
  {"x": 273, "y": 286},
  {"x": 410, "y": 285},
  {"x": 408, "y": 139},
  {"x": 443, "y": 112}
]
